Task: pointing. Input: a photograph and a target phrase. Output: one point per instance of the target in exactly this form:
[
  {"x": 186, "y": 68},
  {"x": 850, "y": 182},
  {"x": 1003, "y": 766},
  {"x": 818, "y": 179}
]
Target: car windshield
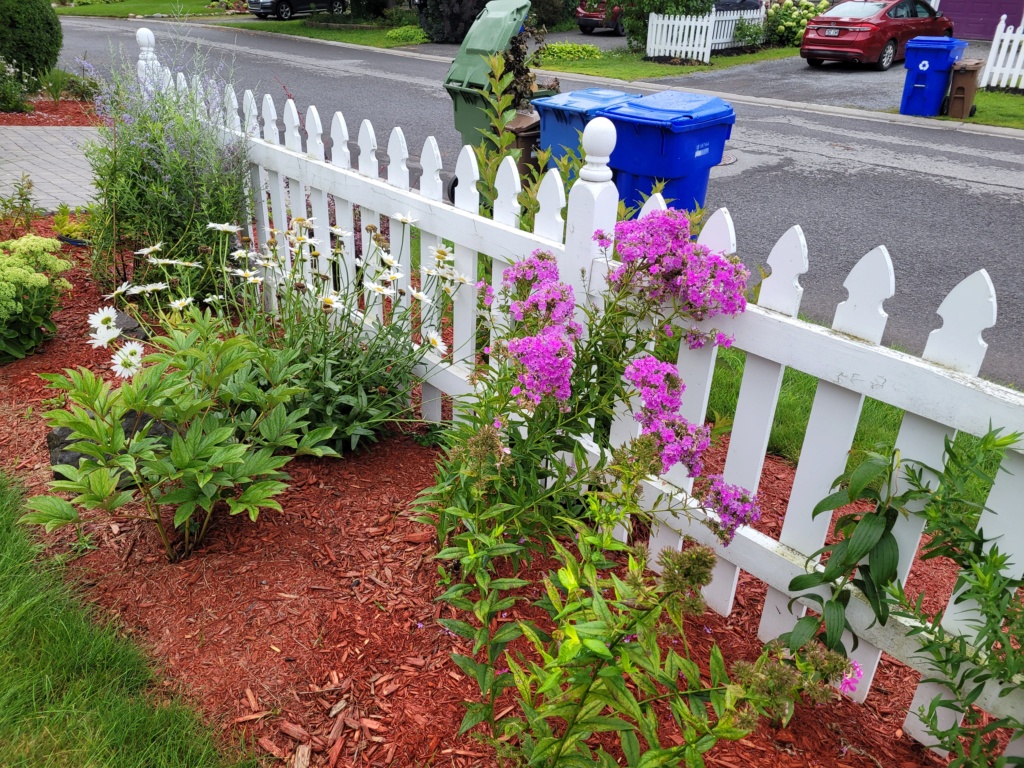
[{"x": 854, "y": 10}]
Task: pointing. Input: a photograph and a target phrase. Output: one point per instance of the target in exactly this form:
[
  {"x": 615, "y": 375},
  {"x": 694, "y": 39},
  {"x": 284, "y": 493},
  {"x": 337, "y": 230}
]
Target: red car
[
  {"x": 594, "y": 15},
  {"x": 870, "y": 31}
]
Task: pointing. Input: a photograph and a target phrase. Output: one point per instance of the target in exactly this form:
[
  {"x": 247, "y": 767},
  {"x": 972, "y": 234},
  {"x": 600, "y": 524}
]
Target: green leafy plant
[
  {"x": 19, "y": 211},
  {"x": 217, "y": 451},
  {"x": 54, "y": 83},
  {"x": 30, "y": 291},
  {"x": 571, "y": 52},
  {"x": 748, "y": 33},
  {"x": 13, "y": 88},
  {"x": 73, "y": 224},
  {"x": 786, "y": 21},
  {"x": 407, "y": 35}
]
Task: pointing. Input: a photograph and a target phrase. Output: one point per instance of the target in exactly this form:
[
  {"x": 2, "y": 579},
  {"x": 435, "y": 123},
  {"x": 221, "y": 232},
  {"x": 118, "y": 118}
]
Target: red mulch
[
  {"x": 317, "y": 624},
  {"x": 46, "y": 114}
]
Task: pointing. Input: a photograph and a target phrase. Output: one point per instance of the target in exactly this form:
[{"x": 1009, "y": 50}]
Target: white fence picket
[
  {"x": 1005, "y": 65},
  {"x": 938, "y": 393},
  {"x": 694, "y": 37}
]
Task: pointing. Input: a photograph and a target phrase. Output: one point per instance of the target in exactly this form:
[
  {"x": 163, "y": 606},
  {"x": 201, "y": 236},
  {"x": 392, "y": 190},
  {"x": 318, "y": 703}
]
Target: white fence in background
[
  {"x": 1005, "y": 65},
  {"x": 695, "y": 37},
  {"x": 939, "y": 393}
]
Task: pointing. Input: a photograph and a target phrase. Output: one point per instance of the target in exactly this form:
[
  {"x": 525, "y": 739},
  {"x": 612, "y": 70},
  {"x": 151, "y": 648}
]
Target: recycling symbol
[{"x": 923, "y": 66}]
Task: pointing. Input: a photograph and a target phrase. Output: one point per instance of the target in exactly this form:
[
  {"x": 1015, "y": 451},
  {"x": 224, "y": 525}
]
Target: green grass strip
[
  {"x": 73, "y": 694},
  {"x": 373, "y": 38},
  {"x": 999, "y": 108},
  {"x": 120, "y": 10},
  {"x": 623, "y": 65}
]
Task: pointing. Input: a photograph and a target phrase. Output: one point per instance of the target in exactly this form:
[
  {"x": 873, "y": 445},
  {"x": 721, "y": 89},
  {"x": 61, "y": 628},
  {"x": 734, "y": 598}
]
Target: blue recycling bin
[
  {"x": 929, "y": 66},
  {"x": 673, "y": 136},
  {"x": 564, "y": 116}
]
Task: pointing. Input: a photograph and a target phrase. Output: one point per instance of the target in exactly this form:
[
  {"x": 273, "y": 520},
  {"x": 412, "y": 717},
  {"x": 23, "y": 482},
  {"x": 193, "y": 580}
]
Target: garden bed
[
  {"x": 47, "y": 114},
  {"x": 318, "y": 624}
]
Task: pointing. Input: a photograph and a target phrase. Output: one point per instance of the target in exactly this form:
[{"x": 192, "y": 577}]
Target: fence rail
[
  {"x": 939, "y": 392},
  {"x": 1005, "y": 65},
  {"x": 695, "y": 37}
]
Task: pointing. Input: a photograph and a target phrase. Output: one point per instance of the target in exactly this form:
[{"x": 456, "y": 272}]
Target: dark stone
[
  {"x": 130, "y": 327},
  {"x": 59, "y": 440}
]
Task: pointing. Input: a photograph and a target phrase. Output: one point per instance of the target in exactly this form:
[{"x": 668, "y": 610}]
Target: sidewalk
[{"x": 54, "y": 158}]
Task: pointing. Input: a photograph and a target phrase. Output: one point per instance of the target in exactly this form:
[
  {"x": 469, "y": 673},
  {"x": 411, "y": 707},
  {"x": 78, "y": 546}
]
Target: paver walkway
[{"x": 54, "y": 158}]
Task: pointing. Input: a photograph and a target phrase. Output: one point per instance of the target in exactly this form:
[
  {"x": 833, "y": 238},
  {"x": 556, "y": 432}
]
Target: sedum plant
[{"x": 30, "y": 291}]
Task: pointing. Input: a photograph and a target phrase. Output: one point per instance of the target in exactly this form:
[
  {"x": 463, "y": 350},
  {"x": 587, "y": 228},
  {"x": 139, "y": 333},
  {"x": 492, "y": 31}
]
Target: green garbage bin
[{"x": 490, "y": 34}]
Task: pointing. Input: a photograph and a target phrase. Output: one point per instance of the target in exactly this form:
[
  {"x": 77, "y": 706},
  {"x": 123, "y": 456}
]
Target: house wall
[{"x": 977, "y": 19}]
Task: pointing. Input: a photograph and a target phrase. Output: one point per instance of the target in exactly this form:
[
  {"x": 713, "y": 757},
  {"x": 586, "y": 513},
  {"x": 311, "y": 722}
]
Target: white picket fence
[
  {"x": 940, "y": 393},
  {"x": 1005, "y": 65},
  {"x": 695, "y": 37}
]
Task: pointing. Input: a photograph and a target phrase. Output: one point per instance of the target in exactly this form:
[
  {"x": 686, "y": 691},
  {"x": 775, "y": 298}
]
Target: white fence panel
[
  {"x": 1005, "y": 65},
  {"x": 694, "y": 37},
  {"x": 939, "y": 393},
  {"x": 723, "y": 25}
]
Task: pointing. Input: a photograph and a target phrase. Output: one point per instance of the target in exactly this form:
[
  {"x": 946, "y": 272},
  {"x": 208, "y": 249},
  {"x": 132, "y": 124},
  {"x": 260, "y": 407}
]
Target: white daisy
[
  {"x": 105, "y": 317},
  {"x": 180, "y": 304},
  {"x": 232, "y": 228},
  {"x": 148, "y": 288},
  {"x": 431, "y": 271},
  {"x": 190, "y": 264},
  {"x": 151, "y": 249},
  {"x": 405, "y": 218},
  {"x": 331, "y": 302},
  {"x": 254, "y": 280},
  {"x": 382, "y": 290},
  {"x": 213, "y": 298},
  {"x": 160, "y": 262},
  {"x": 124, "y": 287},
  {"x": 434, "y": 339},
  {"x": 338, "y": 232},
  {"x": 102, "y": 336},
  {"x": 441, "y": 252},
  {"x": 392, "y": 276},
  {"x": 240, "y": 255},
  {"x": 388, "y": 259},
  {"x": 127, "y": 361},
  {"x": 421, "y": 297},
  {"x": 460, "y": 278},
  {"x": 246, "y": 273}
]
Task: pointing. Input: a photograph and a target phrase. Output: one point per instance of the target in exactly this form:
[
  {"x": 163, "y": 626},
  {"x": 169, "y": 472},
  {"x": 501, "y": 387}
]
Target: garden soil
[{"x": 312, "y": 632}]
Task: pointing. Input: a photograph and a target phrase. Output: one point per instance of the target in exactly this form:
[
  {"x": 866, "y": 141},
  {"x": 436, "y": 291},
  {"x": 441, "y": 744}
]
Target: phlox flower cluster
[
  {"x": 661, "y": 389},
  {"x": 659, "y": 262},
  {"x": 734, "y": 505},
  {"x": 544, "y": 306},
  {"x": 848, "y": 685}
]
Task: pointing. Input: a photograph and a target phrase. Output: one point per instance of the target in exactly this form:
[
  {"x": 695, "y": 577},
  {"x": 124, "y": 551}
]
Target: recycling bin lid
[
  {"x": 676, "y": 110},
  {"x": 587, "y": 101},
  {"x": 937, "y": 43},
  {"x": 491, "y": 33}
]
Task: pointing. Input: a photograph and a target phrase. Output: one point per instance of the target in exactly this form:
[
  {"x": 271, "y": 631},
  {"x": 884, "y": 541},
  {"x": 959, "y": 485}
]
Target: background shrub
[
  {"x": 13, "y": 91},
  {"x": 748, "y": 33},
  {"x": 30, "y": 35},
  {"x": 550, "y": 13},
  {"x": 785, "y": 22},
  {"x": 30, "y": 287},
  {"x": 635, "y": 16},
  {"x": 448, "y": 21},
  {"x": 406, "y": 35}
]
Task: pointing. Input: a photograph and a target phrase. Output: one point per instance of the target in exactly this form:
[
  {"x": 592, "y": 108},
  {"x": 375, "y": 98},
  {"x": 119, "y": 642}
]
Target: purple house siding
[{"x": 977, "y": 19}]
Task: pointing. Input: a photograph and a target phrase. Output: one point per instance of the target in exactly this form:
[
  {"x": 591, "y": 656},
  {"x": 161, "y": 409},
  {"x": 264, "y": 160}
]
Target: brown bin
[{"x": 962, "y": 88}]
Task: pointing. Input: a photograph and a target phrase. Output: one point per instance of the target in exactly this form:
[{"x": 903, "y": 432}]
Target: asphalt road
[{"x": 946, "y": 202}]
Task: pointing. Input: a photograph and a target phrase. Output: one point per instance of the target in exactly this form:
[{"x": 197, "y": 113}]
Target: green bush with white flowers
[{"x": 785, "y": 22}]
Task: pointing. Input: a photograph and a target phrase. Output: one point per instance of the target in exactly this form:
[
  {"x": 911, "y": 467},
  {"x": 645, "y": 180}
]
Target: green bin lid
[
  {"x": 676, "y": 110},
  {"x": 491, "y": 33}
]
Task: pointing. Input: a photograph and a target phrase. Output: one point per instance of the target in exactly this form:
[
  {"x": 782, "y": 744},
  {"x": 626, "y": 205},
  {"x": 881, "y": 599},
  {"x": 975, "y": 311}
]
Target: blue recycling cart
[{"x": 929, "y": 64}]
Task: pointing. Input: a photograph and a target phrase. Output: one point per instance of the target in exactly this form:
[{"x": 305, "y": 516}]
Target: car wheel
[
  {"x": 587, "y": 30},
  {"x": 887, "y": 58},
  {"x": 338, "y": 7},
  {"x": 619, "y": 29},
  {"x": 815, "y": 62},
  {"x": 284, "y": 10}
]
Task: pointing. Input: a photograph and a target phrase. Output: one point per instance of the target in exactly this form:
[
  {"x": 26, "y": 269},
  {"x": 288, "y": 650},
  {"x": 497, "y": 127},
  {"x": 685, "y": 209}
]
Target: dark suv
[{"x": 286, "y": 9}]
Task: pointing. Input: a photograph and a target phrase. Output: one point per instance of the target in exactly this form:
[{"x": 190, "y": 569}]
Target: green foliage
[
  {"x": 30, "y": 35},
  {"x": 19, "y": 211},
  {"x": 571, "y": 52},
  {"x": 408, "y": 35},
  {"x": 223, "y": 432},
  {"x": 748, "y": 32},
  {"x": 54, "y": 83},
  {"x": 636, "y": 16},
  {"x": 551, "y": 13},
  {"x": 30, "y": 290},
  {"x": 13, "y": 88},
  {"x": 785, "y": 22},
  {"x": 76, "y": 693},
  {"x": 163, "y": 173},
  {"x": 448, "y": 21},
  {"x": 71, "y": 224}
]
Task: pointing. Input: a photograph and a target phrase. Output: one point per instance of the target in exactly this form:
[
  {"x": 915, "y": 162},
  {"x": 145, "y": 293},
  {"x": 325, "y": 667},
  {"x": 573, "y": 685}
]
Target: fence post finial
[
  {"x": 148, "y": 69},
  {"x": 598, "y": 143}
]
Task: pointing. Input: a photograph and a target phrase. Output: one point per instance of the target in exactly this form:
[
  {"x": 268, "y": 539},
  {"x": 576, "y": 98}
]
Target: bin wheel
[
  {"x": 887, "y": 58},
  {"x": 815, "y": 62},
  {"x": 619, "y": 29},
  {"x": 587, "y": 30},
  {"x": 449, "y": 189},
  {"x": 945, "y": 106},
  {"x": 974, "y": 110}
]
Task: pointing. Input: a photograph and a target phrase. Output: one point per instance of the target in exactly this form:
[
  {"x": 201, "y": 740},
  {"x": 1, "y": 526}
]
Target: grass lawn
[
  {"x": 373, "y": 38},
  {"x": 142, "y": 8},
  {"x": 995, "y": 108},
  {"x": 623, "y": 65},
  {"x": 74, "y": 694}
]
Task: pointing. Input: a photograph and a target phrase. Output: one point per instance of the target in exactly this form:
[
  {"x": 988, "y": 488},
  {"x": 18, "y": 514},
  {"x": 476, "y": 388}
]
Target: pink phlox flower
[
  {"x": 734, "y": 506},
  {"x": 848, "y": 685},
  {"x": 546, "y": 360}
]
